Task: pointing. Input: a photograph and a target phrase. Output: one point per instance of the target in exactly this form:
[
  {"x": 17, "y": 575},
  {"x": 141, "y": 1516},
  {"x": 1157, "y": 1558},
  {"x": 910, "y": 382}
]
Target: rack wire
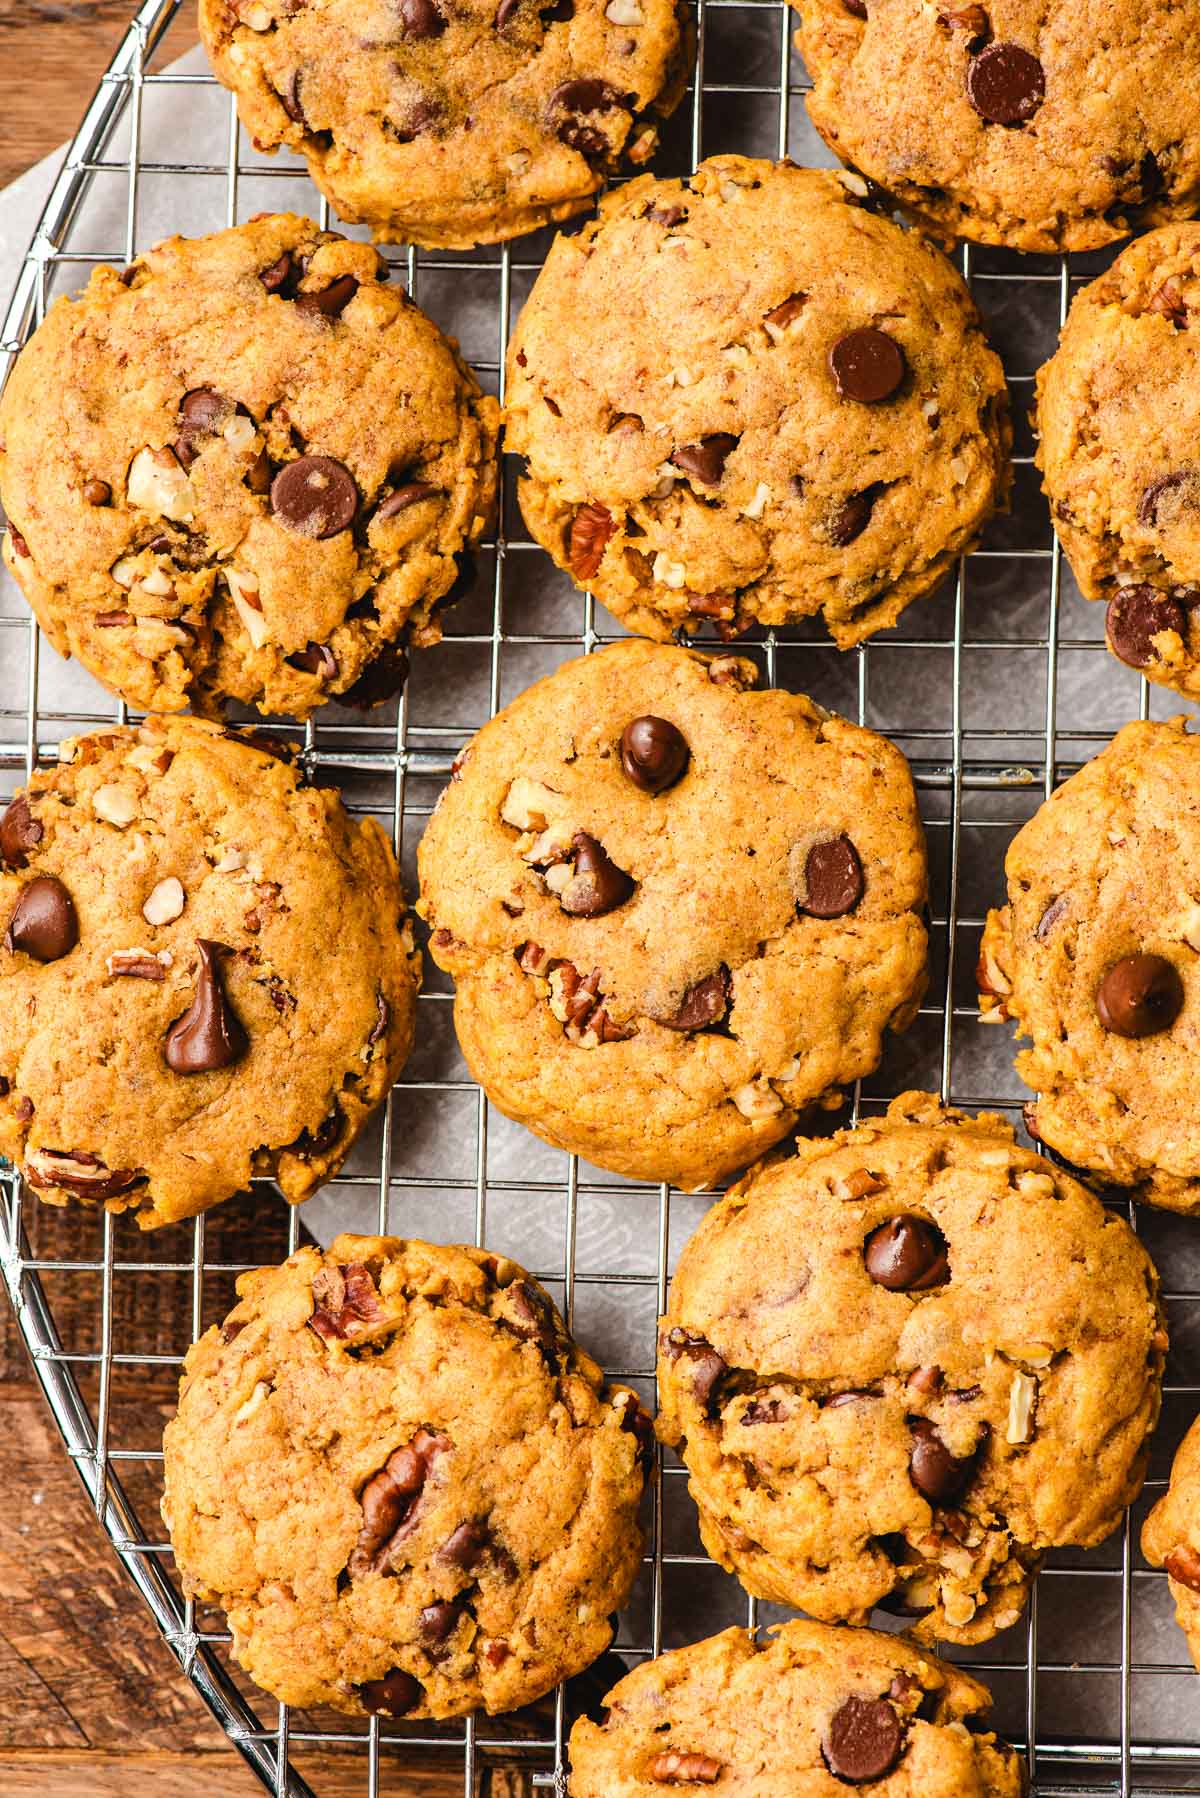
[{"x": 1006, "y": 688}]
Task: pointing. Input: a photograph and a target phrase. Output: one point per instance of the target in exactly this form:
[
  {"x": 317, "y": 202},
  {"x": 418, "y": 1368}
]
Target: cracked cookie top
[
  {"x": 1118, "y": 412},
  {"x": 177, "y": 1012},
  {"x": 1097, "y": 958},
  {"x": 678, "y": 912},
  {"x": 801, "y": 1712},
  {"x": 903, "y": 1364},
  {"x": 1059, "y": 126},
  {"x": 244, "y": 469},
  {"x": 404, "y": 1483},
  {"x": 745, "y": 398},
  {"x": 453, "y": 122},
  {"x": 1171, "y": 1537}
]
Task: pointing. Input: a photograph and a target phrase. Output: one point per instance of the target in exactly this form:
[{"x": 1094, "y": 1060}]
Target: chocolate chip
[
  {"x": 849, "y": 520},
  {"x": 667, "y": 216},
  {"x": 705, "y": 461},
  {"x": 43, "y": 924},
  {"x": 280, "y": 274},
  {"x": 423, "y": 115},
  {"x": 576, "y": 99},
  {"x": 315, "y": 658},
  {"x": 856, "y": 8},
  {"x": 97, "y": 493},
  {"x": 868, "y": 365},
  {"x": 401, "y": 498},
  {"x": 1135, "y": 617},
  {"x": 315, "y": 495},
  {"x": 231, "y": 1329},
  {"x": 636, "y": 1423},
  {"x": 78, "y": 1172},
  {"x": 1183, "y": 1565},
  {"x": 535, "y": 1320},
  {"x": 318, "y": 1141},
  {"x": 345, "y": 1302},
  {"x": 506, "y": 12},
  {"x": 591, "y": 528},
  {"x": 1050, "y": 917},
  {"x": 202, "y": 411},
  {"x": 465, "y": 1547},
  {"x": 289, "y": 99},
  {"x": 395, "y": 1695},
  {"x": 907, "y": 1254},
  {"x": 209, "y": 1034},
  {"x": 833, "y": 879},
  {"x": 1182, "y": 481},
  {"x": 1140, "y": 996},
  {"x": 654, "y": 753},
  {"x": 864, "y": 1741},
  {"x": 702, "y": 1005},
  {"x": 707, "y": 1366},
  {"x": 937, "y": 1474},
  {"x": 762, "y": 1411},
  {"x": 597, "y": 885},
  {"x": 1005, "y": 84},
  {"x": 332, "y": 301},
  {"x": 439, "y": 1621},
  {"x": 20, "y": 832},
  {"x": 382, "y": 1014},
  {"x": 380, "y": 680},
  {"x": 258, "y": 475},
  {"x": 418, "y": 18}
]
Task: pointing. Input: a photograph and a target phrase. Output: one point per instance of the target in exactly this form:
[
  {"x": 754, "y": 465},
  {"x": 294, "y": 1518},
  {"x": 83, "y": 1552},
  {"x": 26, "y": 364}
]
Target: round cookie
[
  {"x": 1171, "y": 1537},
  {"x": 1096, "y": 958},
  {"x": 453, "y": 122},
  {"x": 244, "y": 469},
  {"x": 404, "y": 1483},
  {"x": 666, "y": 898},
  {"x": 744, "y": 398},
  {"x": 1059, "y": 126},
  {"x": 801, "y": 1713},
  {"x": 903, "y": 1365},
  {"x": 206, "y": 973},
  {"x": 1118, "y": 412}
]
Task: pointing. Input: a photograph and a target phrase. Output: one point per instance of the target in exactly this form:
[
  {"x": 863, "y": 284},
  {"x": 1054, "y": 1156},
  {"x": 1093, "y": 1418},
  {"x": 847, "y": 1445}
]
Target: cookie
[
  {"x": 1095, "y": 957},
  {"x": 404, "y": 1483},
  {"x": 453, "y": 124},
  {"x": 244, "y": 469},
  {"x": 903, "y": 1364},
  {"x": 1171, "y": 1537},
  {"x": 1118, "y": 411},
  {"x": 666, "y": 898},
  {"x": 206, "y": 973},
  {"x": 802, "y": 1712},
  {"x": 1042, "y": 126},
  {"x": 744, "y": 398}
]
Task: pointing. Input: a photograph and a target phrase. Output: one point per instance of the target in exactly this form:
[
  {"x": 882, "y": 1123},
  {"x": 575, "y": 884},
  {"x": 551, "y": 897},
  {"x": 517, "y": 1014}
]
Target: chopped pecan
[
  {"x": 390, "y": 1500},
  {"x": 675, "y": 1768},
  {"x": 345, "y": 1302},
  {"x": 591, "y": 528}
]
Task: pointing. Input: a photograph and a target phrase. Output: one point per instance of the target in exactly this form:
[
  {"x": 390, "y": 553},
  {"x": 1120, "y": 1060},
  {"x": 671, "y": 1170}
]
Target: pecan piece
[
  {"x": 390, "y": 1500},
  {"x": 676, "y": 1768},
  {"x": 591, "y": 528},
  {"x": 345, "y": 1302}
]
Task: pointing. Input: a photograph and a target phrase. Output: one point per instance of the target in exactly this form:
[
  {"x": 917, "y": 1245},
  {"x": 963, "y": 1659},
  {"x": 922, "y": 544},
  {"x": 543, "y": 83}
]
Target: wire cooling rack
[{"x": 996, "y": 688}]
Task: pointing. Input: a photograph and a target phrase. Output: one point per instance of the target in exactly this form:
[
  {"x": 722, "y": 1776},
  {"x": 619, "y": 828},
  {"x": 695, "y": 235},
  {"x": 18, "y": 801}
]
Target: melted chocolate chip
[
  {"x": 864, "y": 1741},
  {"x": 1050, "y": 917},
  {"x": 466, "y": 1547},
  {"x": 289, "y": 98},
  {"x": 401, "y": 498},
  {"x": 597, "y": 885},
  {"x": 1140, "y": 995},
  {"x": 438, "y": 1621},
  {"x": 703, "y": 1004},
  {"x": 833, "y": 879},
  {"x": 395, "y": 1695},
  {"x": 868, "y": 365},
  {"x": 849, "y": 520},
  {"x": 315, "y": 495},
  {"x": 1005, "y": 84},
  {"x": 574, "y": 100},
  {"x": 43, "y": 923},
  {"x": 707, "y": 1366},
  {"x": 379, "y": 681},
  {"x": 654, "y": 753},
  {"x": 705, "y": 461},
  {"x": 201, "y": 411},
  {"x": 1181, "y": 482},
  {"x": 97, "y": 492},
  {"x": 316, "y": 658},
  {"x": 331, "y": 302},
  {"x": 937, "y": 1474},
  {"x": 418, "y": 18},
  {"x": 1135, "y": 616},
  {"x": 20, "y": 832},
  {"x": 209, "y": 1034},
  {"x": 907, "y": 1254},
  {"x": 280, "y": 275}
]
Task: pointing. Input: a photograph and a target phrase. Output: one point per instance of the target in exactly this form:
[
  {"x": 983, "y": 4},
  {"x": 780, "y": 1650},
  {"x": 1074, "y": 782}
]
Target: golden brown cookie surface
[
  {"x": 903, "y": 1365},
  {"x": 1095, "y": 957},
  {"x": 453, "y": 122},
  {"x": 243, "y": 470},
  {"x": 1171, "y": 1537},
  {"x": 803, "y": 1712},
  {"x": 1045, "y": 127},
  {"x": 404, "y": 1482},
  {"x": 744, "y": 399},
  {"x": 678, "y": 912},
  {"x": 176, "y": 1011}
]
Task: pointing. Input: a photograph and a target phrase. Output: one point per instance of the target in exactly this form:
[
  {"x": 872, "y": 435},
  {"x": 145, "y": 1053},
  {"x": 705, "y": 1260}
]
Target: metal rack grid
[{"x": 978, "y": 777}]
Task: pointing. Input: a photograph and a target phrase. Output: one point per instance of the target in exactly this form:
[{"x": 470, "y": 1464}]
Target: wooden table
[{"x": 92, "y": 1704}]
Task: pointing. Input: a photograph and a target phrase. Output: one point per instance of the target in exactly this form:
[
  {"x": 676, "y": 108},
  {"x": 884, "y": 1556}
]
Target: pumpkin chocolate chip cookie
[
  {"x": 1095, "y": 957},
  {"x": 404, "y": 1483},
  {"x": 1046, "y": 126},
  {"x": 244, "y": 469},
  {"x": 1118, "y": 414},
  {"x": 678, "y": 912},
  {"x": 176, "y": 1012},
  {"x": 453, "y": 122},
  {"x": 903, "y": 1365},
  {"x": 1171, "y": 1537},
  {"x": 745, "y": 399},
  {"x": 803, "y": 1712}
]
